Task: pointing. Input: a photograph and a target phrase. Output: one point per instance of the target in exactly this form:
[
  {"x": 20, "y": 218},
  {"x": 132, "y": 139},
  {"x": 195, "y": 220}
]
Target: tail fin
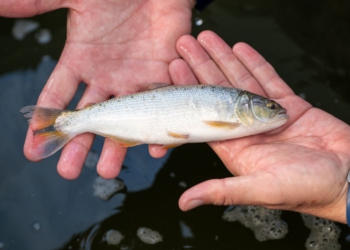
[{"x": 46, "y": 139}]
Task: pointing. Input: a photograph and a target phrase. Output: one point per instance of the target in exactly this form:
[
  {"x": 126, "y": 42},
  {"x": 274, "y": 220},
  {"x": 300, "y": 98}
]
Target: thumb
[{"x": 243, "y": 190}]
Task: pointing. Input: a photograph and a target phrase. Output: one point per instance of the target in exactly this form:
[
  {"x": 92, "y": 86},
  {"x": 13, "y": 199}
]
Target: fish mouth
[{"x": 282, "y": 112}]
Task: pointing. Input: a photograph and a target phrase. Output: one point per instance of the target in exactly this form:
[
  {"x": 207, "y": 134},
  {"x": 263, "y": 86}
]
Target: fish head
[{"x": 255, "y": 110}]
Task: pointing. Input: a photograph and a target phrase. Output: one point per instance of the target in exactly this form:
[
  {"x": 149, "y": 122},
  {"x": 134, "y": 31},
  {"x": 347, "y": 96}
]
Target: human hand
[
  {"x": 111, "y": 46},
  {"x": 301, "y": 166}
]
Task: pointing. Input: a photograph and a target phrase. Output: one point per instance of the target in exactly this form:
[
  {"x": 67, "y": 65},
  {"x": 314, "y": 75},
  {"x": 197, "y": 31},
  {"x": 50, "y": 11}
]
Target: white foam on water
[
  {"x": 105, "y": 189},
  {"x": 22, "y": 27},
  {"x": 324, "y": 233},
  {"x": 149, "y": 236},
  {"x": 113, "y": 237},
  {"x": 43, "y": 36},
  {"x": 265, "y": 223}
]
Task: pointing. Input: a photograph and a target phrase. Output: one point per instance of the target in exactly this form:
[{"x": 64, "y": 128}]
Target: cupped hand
[
  {"x": 112, "y": 46},
  {"x": 301, "y": 166}
]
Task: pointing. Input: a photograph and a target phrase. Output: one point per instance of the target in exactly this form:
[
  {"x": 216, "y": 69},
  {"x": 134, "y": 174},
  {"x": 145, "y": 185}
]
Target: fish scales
[
  {"x": 169, "y": 116},
  {"x": 149, "y": 116}
]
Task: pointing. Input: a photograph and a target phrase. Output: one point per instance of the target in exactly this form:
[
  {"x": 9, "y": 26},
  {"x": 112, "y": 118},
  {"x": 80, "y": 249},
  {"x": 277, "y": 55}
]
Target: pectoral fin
[{"x": 220, "y": 124}]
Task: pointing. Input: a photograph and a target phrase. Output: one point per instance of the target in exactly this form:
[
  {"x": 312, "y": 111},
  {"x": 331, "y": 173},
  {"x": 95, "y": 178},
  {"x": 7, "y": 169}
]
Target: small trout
[{"x": 169, "y": 116}]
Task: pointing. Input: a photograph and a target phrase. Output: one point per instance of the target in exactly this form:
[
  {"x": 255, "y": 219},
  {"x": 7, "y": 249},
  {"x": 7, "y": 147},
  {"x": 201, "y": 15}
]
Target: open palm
[
  {"x": 301, "y": 166},
  {"x": 113, "y": 47}
]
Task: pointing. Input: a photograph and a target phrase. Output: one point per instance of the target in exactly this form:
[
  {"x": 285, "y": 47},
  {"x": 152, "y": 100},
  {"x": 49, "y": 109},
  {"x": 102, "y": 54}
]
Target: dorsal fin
[{"x": 151, "y": 86}]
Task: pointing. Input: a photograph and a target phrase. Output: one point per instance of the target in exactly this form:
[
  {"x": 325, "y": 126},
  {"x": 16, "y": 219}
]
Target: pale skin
[
  {"x": 301, "y": 166},
  {"x": 113, "y": 46}
]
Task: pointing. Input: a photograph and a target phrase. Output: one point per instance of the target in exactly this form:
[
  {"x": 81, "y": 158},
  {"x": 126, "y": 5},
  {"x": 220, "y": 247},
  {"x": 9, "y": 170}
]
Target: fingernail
[{"x": 193, "y": 204}]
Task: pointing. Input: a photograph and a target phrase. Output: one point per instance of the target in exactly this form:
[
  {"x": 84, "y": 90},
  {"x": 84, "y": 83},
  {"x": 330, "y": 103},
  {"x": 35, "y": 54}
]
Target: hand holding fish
[
  {"x": 111, "y": 46},
  {"x": 301, "y": 166}
]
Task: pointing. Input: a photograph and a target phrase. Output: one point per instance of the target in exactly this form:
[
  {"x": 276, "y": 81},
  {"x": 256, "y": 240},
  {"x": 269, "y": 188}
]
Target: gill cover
[{"x": 243, "y": 109}]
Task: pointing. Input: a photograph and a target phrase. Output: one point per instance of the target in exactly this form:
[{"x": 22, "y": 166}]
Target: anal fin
[
  {"x": 122, "y": 142},
  {"x": 170, "y": 146},
  {"x": 220, "y": 124}
]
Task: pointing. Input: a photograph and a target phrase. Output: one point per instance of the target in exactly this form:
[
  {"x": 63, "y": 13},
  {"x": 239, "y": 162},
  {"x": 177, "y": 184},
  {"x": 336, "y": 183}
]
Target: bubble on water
[
  {"x": 324, "y": 233},
  {"x": 265, "y": 223},
  {"x": 22, "y": 27},
  {"x": 149, "y": 236},
  {"x": 37, "y": 226},
  {"x": 43, "y": 36},
  {"x": 92, "y": 160},
  {"x": 186, "y": 231},
  {"x": 198, "y": 21},
  {"x": 182, "y": 184},
  {"x": 113, "y": 237},
  {"x": 105, "y": 189},
  {"x": 347, "y": 238},
  {"x": 302, "y": 95},
  {"x": 187, "y": 247}
]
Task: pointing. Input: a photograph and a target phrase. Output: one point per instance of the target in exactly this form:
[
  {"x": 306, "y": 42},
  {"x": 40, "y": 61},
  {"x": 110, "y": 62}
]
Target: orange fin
[
  {"x": 219, "y": 124},
  {"x": 151, "y": 86},
  {"x": 170, "y": 146},
  {"x": 46, "y": 139},
  {"x": 178, "y": 136},
  {"x": 123, "y": 142}
]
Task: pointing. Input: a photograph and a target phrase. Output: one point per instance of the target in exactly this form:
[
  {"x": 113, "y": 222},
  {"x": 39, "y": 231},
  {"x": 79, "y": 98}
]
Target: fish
[{"x": 169, "y": 116}]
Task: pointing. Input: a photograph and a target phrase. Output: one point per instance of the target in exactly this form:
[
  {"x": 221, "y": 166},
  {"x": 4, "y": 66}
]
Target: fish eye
[{"x": 272, "y": 105}]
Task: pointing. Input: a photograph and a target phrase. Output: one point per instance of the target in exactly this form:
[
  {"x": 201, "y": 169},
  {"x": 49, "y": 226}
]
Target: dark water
[{"x": 307, "y": 43}]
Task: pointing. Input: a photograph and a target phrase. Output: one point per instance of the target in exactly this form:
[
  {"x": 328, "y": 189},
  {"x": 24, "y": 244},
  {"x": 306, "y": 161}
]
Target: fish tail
[{"x": 47, "y": 140}]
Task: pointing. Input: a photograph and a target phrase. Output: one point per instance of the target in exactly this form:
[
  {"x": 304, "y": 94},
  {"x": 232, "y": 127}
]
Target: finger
[
  {"x": 229, "y": 64},
  {"x": 111, "y": 160},
  {"x": 157, "y": 151},
  {"x": 181, "y": 73},
  {"x": 269, "y": 80},
  {"x": 74, "y": 153},
  {"x": 57, "y": 93},
  {"x": 242, "y": 190},
  {"x": 29, "y": 8},
  {"x": 206, "y": 71}
]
